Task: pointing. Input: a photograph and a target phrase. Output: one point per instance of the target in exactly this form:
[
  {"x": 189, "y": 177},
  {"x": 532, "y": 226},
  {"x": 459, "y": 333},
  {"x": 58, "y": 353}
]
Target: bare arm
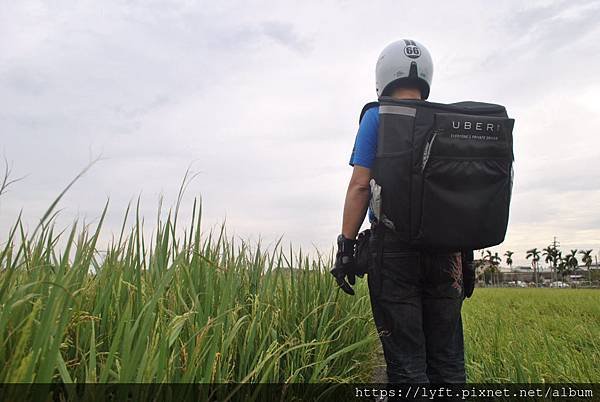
[{"x": 357, "y": 201}]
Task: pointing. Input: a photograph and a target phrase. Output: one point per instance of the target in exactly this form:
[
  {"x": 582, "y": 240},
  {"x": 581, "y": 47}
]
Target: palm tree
[
  {"x": 489, "y": 269},
  {"x": 534, "y": 254},
  {"x": 571, "y": 261},
  {"x": 548, "y": 252},
  {"x": 485, "y": 266},
  {"x": 551, "y": 253},
  {"x": 479, "y": 265},
  {"x": 509, "y": 260},
  {"x": 562, "y": 266},
  {"x": 587, "y": 260},
  {"x": 494, "y": 261}
]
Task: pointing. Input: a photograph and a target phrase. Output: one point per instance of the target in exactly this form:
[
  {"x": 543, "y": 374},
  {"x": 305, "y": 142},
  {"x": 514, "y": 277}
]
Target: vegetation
[
  {"x": 188, "y": 306},
  {"x": 207, "y": 311},
  {"x": 552, "y": 254},
  {"x": 509, "y": 261},
  {"x": 534, "y": 254},
  {"x": 492, "y": 266},
  {"x": 587, "y": 260},
  {"x": 198, "y": 308},
  {"x": 532, "y": 335},
  {"x": 560, "y": 266}
]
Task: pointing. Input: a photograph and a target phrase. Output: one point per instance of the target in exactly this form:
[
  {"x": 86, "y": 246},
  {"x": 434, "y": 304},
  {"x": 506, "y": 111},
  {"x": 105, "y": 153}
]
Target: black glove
[
  {"x": 468, "y": 271},
  {"x": 362, "y": 253},
  {"x": 344, "y": 264}
]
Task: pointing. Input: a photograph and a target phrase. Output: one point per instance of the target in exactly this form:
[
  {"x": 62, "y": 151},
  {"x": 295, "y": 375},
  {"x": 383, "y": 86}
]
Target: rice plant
[
  {"x": 182, "y": 306},
  {"x": 187, "y": 306}
]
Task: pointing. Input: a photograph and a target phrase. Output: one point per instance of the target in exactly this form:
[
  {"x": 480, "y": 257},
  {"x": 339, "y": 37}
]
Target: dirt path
[{"x": 379, "y": 375}]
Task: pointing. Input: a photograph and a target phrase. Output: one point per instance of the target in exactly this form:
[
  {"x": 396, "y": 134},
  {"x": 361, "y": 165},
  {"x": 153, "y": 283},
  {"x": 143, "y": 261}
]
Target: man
[{"x": 416, "y": 296}]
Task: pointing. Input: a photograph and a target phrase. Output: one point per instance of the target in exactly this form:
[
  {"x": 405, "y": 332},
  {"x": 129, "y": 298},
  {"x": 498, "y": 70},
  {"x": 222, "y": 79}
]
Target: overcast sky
[{"x": 262, "y": 99}]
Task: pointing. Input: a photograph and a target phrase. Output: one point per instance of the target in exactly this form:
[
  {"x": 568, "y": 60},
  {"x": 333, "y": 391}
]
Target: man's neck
[{"x": 406, "y": 93}]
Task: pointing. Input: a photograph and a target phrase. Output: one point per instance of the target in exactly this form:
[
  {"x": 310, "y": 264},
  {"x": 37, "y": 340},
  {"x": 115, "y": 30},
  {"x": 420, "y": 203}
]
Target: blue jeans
[{"x": 416, "y": 298}]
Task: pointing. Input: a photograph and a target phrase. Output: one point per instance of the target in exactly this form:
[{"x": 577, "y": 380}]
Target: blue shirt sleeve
[{"x": 365, "y": 145}]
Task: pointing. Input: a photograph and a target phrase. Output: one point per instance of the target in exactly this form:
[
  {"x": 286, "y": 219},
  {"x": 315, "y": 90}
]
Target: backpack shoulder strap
[{"x": 366, "y": 107}]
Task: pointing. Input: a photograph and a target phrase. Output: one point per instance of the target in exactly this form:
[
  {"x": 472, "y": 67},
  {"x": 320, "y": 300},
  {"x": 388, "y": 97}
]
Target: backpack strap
[{"x": 366, "y": 107}]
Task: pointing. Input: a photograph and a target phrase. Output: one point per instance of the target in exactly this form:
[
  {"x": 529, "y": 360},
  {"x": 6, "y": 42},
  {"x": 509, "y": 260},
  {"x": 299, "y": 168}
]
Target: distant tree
[
  {"x": 483, "y": 266},
  {"x": 509, "y": 261},
  {"x": 587, "y": 260},
  {"x": 571, "y": 261},
  {"x": 534, "y": 254},
  {"x": 562, "y": 267},
  {"x": 574, "y": 263},
  {"x": 480, "y": 269},
  {"x": 547, "y": 253},
  {"x": 551, "y": 253},
  {"x": 496, "y": 260},
  {"x": 493, "y": 263}
]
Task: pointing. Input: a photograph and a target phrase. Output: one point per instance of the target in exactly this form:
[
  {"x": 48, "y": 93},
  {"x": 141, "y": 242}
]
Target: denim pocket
[
  {"x": 400, "y": 276},
  {"x": 444, "y": 275}
]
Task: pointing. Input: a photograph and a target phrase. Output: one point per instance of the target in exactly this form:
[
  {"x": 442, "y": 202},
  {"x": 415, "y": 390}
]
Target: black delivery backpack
[{"x": 444, "y": 172}]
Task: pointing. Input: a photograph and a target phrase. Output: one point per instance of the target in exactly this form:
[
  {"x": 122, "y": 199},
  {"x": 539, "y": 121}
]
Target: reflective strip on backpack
[{"x": 401, "y": 110}]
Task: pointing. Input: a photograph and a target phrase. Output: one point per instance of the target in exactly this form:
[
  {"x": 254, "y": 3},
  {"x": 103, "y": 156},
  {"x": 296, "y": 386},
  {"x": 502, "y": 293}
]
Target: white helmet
[{"x": 404, "y": 61}]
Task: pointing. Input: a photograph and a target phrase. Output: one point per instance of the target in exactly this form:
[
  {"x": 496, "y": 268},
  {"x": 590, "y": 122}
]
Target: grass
[
  {"x": 188, "y": 306},
  {"x": 533, "y": 335},
  {"x": 194, "y": 308}
]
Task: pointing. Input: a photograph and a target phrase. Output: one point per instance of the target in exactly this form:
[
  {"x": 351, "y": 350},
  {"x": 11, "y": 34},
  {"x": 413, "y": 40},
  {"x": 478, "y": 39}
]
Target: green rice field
[{"x": 183, "y": 305}]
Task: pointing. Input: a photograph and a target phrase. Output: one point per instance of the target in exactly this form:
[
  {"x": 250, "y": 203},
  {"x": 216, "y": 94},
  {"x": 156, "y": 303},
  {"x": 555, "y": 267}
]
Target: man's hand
[
  {"x": 468, "y": 271},
  {"x": 344, "y": 264}
]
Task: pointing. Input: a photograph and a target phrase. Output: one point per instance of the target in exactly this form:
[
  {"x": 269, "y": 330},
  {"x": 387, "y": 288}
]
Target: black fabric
[
  {"x": 468, "y": 270},
  {"x": 445, "y": 173},
  {"x": 416, "y": 299},
  {"x": 362, "y": 253}
]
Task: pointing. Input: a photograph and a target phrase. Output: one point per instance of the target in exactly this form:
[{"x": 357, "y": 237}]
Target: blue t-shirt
[{"x": 365, "y": 145}]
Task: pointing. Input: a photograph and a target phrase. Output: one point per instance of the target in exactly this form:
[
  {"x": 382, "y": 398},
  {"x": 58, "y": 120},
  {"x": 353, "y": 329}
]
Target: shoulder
[
  {"x": 369, "y": 126},
  {"x": 371, "y": 109},
  {"x": 370, "y": 117},
  {"x": 372, "y": 113},
  {"x": 365, "y": 144}
]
